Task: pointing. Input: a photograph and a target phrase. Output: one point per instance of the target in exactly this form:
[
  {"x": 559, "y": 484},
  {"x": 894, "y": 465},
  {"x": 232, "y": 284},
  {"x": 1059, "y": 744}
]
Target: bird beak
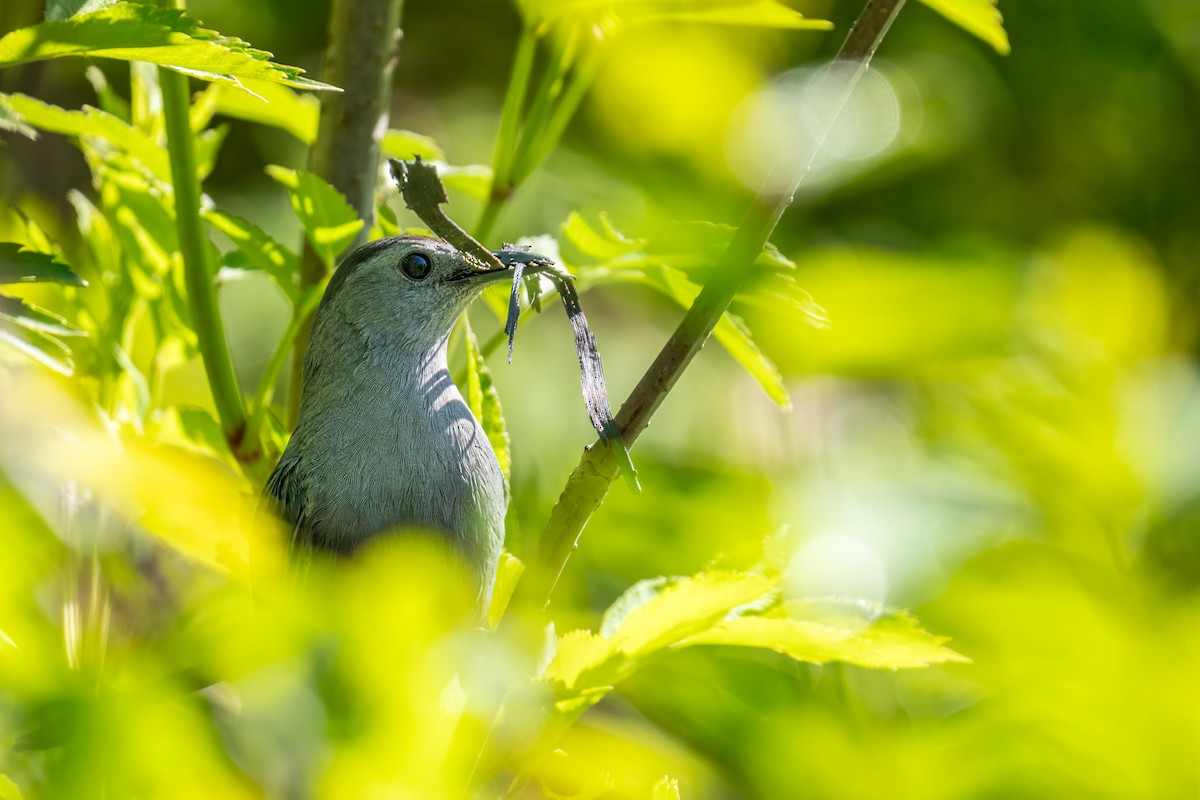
[
  {"x": 485, "y": 277},
  {"x": 508, "y": 258}
]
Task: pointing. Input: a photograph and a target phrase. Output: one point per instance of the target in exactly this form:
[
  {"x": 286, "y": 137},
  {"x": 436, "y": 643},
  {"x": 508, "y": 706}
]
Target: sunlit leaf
[
  {"x": 10, "y": 120},
  {"x": 30, "y": 316},
  {"x": 163, "y": 36},
  {"x": 266, "y": 104},
  {"x": 19, "y": 264},
  {"x": 756, "y": 13},
  {"x": 406, "y": 145},
  {"x": 731, "y": 332},
  {"x": 602, "y": 245},
  {"x": 110, "y": 101},
  {"x": 259, "y": 250},
  {"x": 194, "y": 428},
  {"x": 880, "y": 638},
  {"x": 473, "y": 180},
  {"x": 484, "y": 402},
  {"x": 8, "y": 789},
  {"x": 666, "y": 789},
  {"x": 90, "y": 122},
  {"x": 686, "y": 606},
  {"x": 508, "y": 573},
  {"x": 578, "y": 653},
  {"x": 192, "y": 503},
  {"x": 41, "y": 347},
  {"x": 328, "y": 220},
  {"x": 980, "y": 17},
  {"x": 612, "y": 16},
  {"x": 63, "y": 9}
]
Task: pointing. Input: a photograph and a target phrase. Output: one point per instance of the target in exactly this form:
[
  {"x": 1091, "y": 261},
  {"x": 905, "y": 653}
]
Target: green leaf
[
  {"x": 863, "y": 634},
  {"x": 508, "y": 573},
  {"x": 41, "y": 347},
  {"x": 64, "y": 9},
  {"x": 484, "y": 402},
  {"x": 163, "y": 36},
  {"x": 110, "y": 101},
  {"x": 600, "y": 245},
  {"x": 90, "y": 122},
  {"x": 260, "y": 251},
  {"x": 473, "y": 180},
  {"x": 10, "y": 120},
  {"x": 602, "y": 253},
  {"x": 266, "y": 104},
  {"x": 611, "y": 17},
  {"x": 8, "y": 789},
  {"x": 979, "y": 17},
  {"x": 406, "y": 145},
  {"x": 30, "y": 316},
  {"x": 329, "y": 221},
  {"x": 686, "y": 606},
  {"x": 581, "y": 653},
  {"x": 19, "y": 264},
  {"x": 760, "y": 14},
  {"x": 730, "y": 332},
  {"x": 652, "y": 615},
  {"x": 667, "y": 788},
  {"x": 194, "y": 428}
]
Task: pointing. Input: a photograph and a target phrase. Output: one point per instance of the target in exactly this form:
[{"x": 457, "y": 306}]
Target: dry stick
[
  {"x": 360, "y": 56},
  {"x": 589, "y": 482},
  {"x": 424, "y": 195}
]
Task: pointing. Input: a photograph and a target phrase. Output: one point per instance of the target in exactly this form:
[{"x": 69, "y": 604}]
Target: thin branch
[
  {"x": 589, "y": 482},
  {"x": 424, "y": 195},
  {"x": 359, "y": 58}
]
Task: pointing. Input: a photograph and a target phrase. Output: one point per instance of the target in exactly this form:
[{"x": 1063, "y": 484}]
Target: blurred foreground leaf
[
  {"x": 703, "y": 609},
  {"x": 25, "y": 327}
]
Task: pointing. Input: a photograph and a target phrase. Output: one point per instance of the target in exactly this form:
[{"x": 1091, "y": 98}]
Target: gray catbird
[{"x": 384, "y": 439}]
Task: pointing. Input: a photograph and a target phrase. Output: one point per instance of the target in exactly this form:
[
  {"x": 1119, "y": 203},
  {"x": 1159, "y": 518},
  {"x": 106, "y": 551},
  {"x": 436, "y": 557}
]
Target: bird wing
[{"x": 285, "y": 488}]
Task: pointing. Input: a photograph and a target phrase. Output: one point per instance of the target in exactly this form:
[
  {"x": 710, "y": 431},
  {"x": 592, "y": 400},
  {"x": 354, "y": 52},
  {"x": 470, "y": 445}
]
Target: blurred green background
[{"x": 998, "y": 428}]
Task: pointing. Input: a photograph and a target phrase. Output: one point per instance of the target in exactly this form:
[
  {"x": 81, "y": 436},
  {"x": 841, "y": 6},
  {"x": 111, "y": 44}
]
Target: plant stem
[
  {"x": 198, "y": 273},
  {"x": 363, "y": 37},
  {"x": 506, "y": 137},
  {"x": 589, "y": 482},
  {"x": 517, "y": 144}
]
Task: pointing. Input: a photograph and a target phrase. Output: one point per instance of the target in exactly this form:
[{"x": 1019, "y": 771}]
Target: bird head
[{"x": 407, "y": 289}]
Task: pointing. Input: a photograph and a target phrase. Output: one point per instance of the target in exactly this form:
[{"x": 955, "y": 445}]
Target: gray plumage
[{"x": 384, "y": 439}]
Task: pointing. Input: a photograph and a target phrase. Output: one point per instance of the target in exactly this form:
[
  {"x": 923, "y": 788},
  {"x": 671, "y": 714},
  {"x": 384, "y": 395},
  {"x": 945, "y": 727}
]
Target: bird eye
[{"x": 416, "y": 265}]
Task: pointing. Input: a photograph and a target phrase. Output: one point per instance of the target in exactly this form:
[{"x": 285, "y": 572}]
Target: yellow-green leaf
[
  {"x": 980, "y": 17},
  {"x": 266, "y": 104},
  {"x": 667, "y": 788},
  {"x": 508, "y": 572},
  {"x": 881, "y": 639},
  {"x": 329, "y": 221},
  {"x": 163, "y": 36},
  {"x": 484, "y": 402},
  {"x": 89, "y": 122},
  {"x": 687, "y": 606}
]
